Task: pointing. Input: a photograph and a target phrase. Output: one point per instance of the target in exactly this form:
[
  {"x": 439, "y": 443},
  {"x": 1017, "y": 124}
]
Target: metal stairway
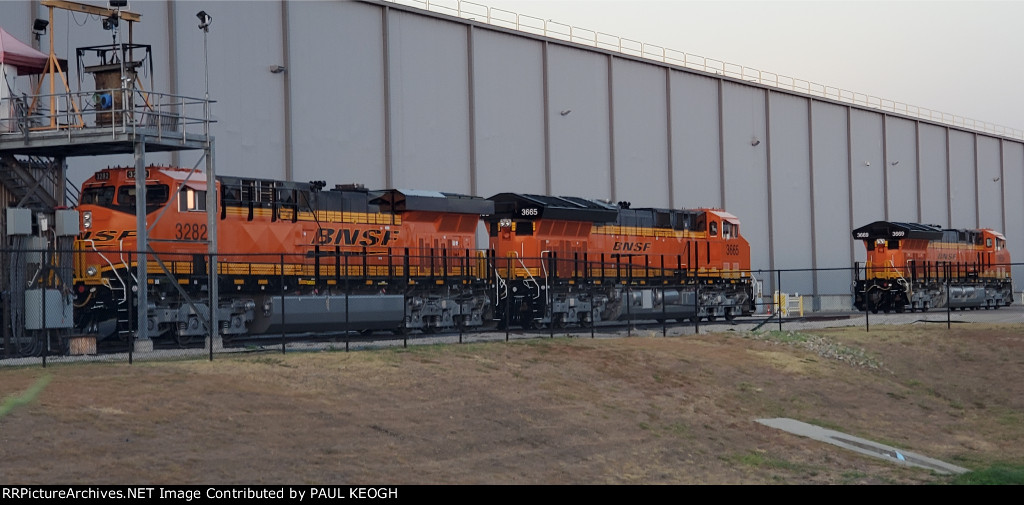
[{"x": 33, "y": 182}]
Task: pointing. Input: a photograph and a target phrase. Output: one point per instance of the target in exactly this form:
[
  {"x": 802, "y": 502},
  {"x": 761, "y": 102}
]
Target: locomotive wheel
[{"x": 729, "y": 314}]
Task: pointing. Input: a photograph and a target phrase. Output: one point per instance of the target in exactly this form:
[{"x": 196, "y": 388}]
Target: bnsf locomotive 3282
[
  {"x": 296, "y": 257},
  {"x": 914, "y": 266},
  {"x": 344, "y": 258}
]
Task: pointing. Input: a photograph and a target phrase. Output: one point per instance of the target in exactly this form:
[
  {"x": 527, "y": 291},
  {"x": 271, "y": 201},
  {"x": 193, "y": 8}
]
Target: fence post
[
  {"x": 696, "y": 304},
  {"x": 508, "y": 295},
  {"x": 629, "y": 315},
  {"x": 949, "y": 299},
  {"x": 348, "y": 325},
  {"x": 42, "y": 310},
  {"x": 282, "y": 306},
  {"x": 664, "y": 321},
  {"x": 213, "y": 303},
  {"x": 778, "y": 300},
  {"x": 132, "y": 313}
]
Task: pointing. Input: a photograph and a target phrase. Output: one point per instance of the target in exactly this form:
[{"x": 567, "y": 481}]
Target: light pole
[
  {"x": 211, "y": 189},
  {"x": 204, "y": 25}
]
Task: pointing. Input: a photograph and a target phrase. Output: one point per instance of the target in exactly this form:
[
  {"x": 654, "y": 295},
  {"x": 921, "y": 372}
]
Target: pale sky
[{"x": 959, "y": 57}]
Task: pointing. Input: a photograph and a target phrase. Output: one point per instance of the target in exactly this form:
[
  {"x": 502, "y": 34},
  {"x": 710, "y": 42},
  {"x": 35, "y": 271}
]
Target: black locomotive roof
[
  {"x": 399, "y": 200},
  {"x": 567, "y": 208},
  {"x": 896, "y": 230}
]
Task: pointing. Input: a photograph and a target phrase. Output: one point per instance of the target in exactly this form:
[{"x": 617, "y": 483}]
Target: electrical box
[
  {"x": 49, "y": 306},
  {"x": 19, "y": 221},
  {"x": 65, "y": 222}
]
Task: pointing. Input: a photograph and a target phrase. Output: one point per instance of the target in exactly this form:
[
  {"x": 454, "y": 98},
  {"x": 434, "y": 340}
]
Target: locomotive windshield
[
  {"x": 98, "y": 195},
  {"x": 103, "y": 196},
  {"x": 156, "y": 195}
]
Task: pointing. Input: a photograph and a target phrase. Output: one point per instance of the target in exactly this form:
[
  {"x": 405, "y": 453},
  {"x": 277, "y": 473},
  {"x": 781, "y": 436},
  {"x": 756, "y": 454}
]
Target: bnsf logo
[
  {"x": 107, "y": 235},
  {"x": 353, "y": 236},
  {"x": 632, "y": 246}
]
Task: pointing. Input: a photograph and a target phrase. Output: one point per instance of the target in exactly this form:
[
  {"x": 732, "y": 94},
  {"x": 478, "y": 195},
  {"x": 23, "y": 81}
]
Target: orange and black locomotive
[
  {"x": 343, "y": 258},
  {"x": 562, "y": 260},
  {"x": 913, "y": 266}
]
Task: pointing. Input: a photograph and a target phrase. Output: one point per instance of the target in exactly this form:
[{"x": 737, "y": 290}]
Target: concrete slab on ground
[{"x": 861, "y": 445}]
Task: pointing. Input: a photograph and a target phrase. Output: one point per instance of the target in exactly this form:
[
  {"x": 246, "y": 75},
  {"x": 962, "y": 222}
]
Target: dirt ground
[{"x": 637, "y": 410}]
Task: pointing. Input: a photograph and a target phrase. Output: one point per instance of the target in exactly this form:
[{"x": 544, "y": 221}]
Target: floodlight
[{"x": 204, "y": 20}]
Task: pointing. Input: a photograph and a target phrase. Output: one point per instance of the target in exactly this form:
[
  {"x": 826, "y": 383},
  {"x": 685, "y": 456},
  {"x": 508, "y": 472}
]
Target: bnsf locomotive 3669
[
  {"x": 914, "y": 266},
  {"x": 296, "y": 257}
]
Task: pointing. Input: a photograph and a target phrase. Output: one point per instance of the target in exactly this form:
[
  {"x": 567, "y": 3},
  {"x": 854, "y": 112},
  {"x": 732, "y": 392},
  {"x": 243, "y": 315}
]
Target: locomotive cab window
[
  {"x": 102, "y": 196},
  {"x": 713, "y": 229},
  {"x": 156, "y": 195},
  {"x": 191, "y": 200},
  {"x": 730, "y": 230},
  {"x": 701, "y": 223},
  {"x": 988, "y": 243},
  {"x": 524, "y": 227}
]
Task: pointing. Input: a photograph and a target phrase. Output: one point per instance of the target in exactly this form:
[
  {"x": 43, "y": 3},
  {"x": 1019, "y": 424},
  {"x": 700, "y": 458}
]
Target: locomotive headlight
[
  {"x": 505, "y": 223},
  {"x": 91, "y": 271},
  {"x": 87, "y": 219}
]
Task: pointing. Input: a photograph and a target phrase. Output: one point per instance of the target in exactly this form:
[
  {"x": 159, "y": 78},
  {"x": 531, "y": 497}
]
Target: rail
[{"x": 569, "y": 33}]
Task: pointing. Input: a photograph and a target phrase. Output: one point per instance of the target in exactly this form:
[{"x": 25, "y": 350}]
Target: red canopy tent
[{"x": 20, "y": 55}]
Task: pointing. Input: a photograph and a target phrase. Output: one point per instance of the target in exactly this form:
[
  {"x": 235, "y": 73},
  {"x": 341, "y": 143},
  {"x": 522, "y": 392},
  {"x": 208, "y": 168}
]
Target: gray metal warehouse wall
[{"x": 388, "y": 95}]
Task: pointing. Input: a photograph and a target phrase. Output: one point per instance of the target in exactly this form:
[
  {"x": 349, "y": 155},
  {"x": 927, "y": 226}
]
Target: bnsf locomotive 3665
[
  {"x": 914, "y": 266},
  {"x": 568, "y": 260},
  {"x": 296, "y": 257}
]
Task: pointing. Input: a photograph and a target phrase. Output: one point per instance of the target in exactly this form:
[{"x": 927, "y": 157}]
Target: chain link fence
[{"x": 332, "y": 300}]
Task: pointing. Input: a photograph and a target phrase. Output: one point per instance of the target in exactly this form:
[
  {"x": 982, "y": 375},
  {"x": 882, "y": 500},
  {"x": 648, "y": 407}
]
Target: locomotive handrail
[
  {"x": 529, "y": 276},
  {"x": 529, "y": 279},
  {"x": 128, "y": 268},
  {"x": 544, "y": 266},
  {"x": 113, "y": 269}
]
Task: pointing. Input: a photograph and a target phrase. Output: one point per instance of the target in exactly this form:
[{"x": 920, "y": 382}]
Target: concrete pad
[
  {"x": 863, "y": 446},
  {"x": 143, "y": 345}
]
